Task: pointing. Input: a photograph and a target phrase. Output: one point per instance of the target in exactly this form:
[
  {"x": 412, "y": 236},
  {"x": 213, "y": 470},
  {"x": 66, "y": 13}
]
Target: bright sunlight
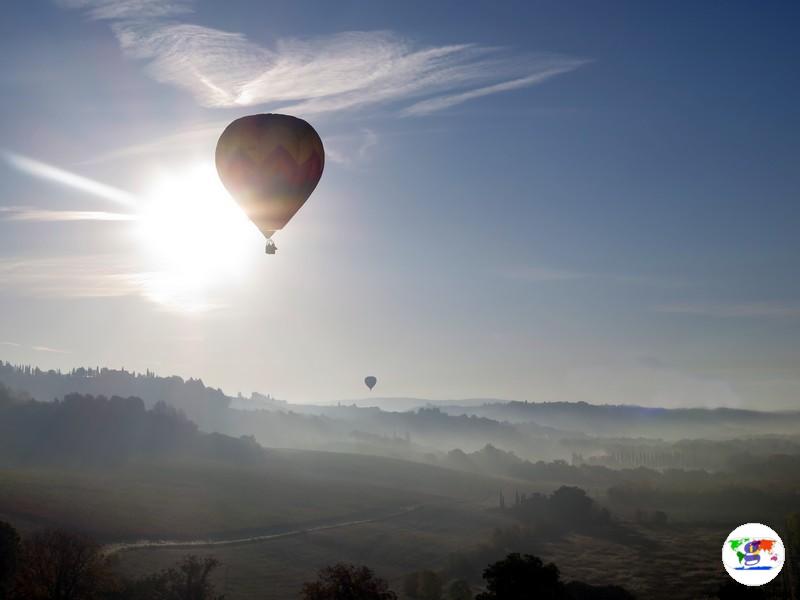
[{"x": 196, "y": 239}]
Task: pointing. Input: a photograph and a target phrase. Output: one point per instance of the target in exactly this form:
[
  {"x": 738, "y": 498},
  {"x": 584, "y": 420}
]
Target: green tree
[
  {"x": 56, "y": 565},
  {"x": 347, "y": 582},
  {"x": 522, "y": 577},
  {"x": 190, "y": 579},
  {"x": 571, "y": 505}
]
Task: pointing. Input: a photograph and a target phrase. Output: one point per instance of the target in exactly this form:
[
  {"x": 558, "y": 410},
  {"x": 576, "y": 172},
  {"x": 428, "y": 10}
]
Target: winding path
[{"x": 200, "y": 543}]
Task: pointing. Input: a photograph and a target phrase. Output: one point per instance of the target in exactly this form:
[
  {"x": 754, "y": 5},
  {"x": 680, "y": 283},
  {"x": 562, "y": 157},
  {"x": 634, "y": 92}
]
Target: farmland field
[
  {"x": 189, "y": 500},
  {"x": 394, "y": 547}
]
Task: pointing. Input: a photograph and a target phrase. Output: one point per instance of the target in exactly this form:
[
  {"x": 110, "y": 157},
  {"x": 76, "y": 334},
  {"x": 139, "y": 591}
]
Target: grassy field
[
  {"x": 276, "y": 569},
  {"x": 682, "y": 561},
  {"x": 675, "y": 562},
  {"x": 185, "y": 501},
  {"x": 679, "y": 562},
  {"x": 298, "y": 490}
]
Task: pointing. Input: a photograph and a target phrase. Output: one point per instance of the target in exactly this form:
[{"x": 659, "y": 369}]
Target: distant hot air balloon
[
  {"x": 370, "y": 380},
  {"x": 270, "y": 164}
]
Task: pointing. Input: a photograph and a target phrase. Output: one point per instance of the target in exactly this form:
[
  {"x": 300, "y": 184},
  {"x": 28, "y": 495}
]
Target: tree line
[
  {"x": 58, "y": 565},
  {"x": 95, "y": 430}
]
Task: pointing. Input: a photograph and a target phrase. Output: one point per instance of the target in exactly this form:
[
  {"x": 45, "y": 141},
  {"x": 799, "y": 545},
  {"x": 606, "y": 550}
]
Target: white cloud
[
  {"x": 428, "y": 106},
  {"x": 70, "y": 277},
  {"x": 28, "y": 213},
  {"x": 42, "y": 170},
  {"x": 339, "y": 148},
  {"x": 328, "y": 73},
  {"x": 369, "y": 140},
  {"x": 347, "y": 149},
  {"x": 100, "y": 276},
  {"x": 130, "y": 9},
  {"x": 36, "y": 348},
  {"x": 49, "y": 349},
  {"x": 202, "y": 135}
]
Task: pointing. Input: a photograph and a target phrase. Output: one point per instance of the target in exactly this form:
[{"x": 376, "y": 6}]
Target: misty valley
[{"x": 165, "y": 479}]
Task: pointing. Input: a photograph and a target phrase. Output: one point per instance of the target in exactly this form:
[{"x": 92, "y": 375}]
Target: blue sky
[{"x": 532, "y": 200}]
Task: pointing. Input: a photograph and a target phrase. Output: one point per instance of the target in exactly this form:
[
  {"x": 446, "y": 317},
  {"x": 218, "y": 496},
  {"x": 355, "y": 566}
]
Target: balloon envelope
[
  {"x": 371, "y": 381},
  {"x": 270, "y": 164}
]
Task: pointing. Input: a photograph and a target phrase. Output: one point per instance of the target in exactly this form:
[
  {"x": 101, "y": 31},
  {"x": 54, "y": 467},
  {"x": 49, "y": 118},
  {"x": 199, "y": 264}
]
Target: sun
[{"x": 195, "y": 238}]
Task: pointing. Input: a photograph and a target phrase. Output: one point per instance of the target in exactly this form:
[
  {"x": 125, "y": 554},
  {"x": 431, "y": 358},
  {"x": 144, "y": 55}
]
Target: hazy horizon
[{"x": 385, "y": 403}]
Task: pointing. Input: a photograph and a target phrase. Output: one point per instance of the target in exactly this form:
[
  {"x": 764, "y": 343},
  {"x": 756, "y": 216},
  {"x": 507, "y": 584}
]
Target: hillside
[
  {"x": 647, "y": 422},
  {"x": 277, "y": 424},
  {"x": 117, "y": 470},
  {"x": 533, "y": 431}
]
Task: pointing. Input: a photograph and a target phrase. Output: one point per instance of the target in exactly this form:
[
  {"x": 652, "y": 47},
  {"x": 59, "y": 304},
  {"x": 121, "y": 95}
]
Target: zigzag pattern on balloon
[{"x": 270, "y": 164}]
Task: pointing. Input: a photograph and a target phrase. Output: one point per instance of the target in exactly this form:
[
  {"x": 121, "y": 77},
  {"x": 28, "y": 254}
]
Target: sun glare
[{"x": 197, "y": 241}]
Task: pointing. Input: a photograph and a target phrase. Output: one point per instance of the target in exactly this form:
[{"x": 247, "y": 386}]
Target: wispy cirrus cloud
[
  {"x": 328, "y": 73},
  {"x": 36, "y": 348},
  {"x": 734, "y": 310},
  {"x": 49, "y": 349},
  {"x": 432, "y": 105},
  {"x": 130, "y": 9},
  {"x": 29, "y": 213},
  {"x": 344, "y": 149},
  {"x": 347, "y": 149},
  {"x": 48, "y": 172},
  {"x": 91, "y": 276},
  {"x": 174, "y": 285},
  {"x": 100, "y": 276},
  {"x": 205, "y": 134}
]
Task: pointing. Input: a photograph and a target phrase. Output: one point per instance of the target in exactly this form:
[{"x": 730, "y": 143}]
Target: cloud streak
[
  {"x": 30, "y": 214},
  {"x": 428, "y": 106},
  {"x": 329, "y": 73},
  {"x": 49, "y": 349},
  {"x": 348, "y": 149},
  {"x": 339, "y": 148},
  {"x": 130, "y": 9},
  {"x": 42, "y": 170},
  {"x": 201, "y": 135},
  {"x": 35, "y": 348},
  {"x": 100, "y": 276},
  {"x": 71, "y": 277}
]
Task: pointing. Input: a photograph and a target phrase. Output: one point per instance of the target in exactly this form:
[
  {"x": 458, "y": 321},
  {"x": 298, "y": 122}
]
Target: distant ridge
[{"x": 525, "y": 427}]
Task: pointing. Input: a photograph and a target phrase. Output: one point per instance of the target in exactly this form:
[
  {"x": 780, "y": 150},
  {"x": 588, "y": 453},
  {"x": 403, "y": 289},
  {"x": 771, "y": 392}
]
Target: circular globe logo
[{"x": 753, "y": 554}]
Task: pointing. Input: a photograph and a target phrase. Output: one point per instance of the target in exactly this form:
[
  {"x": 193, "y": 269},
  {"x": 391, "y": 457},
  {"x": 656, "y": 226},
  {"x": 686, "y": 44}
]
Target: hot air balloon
[
  {"x": 370, "y": 380},
  {"x": 270, "y": 164}
]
